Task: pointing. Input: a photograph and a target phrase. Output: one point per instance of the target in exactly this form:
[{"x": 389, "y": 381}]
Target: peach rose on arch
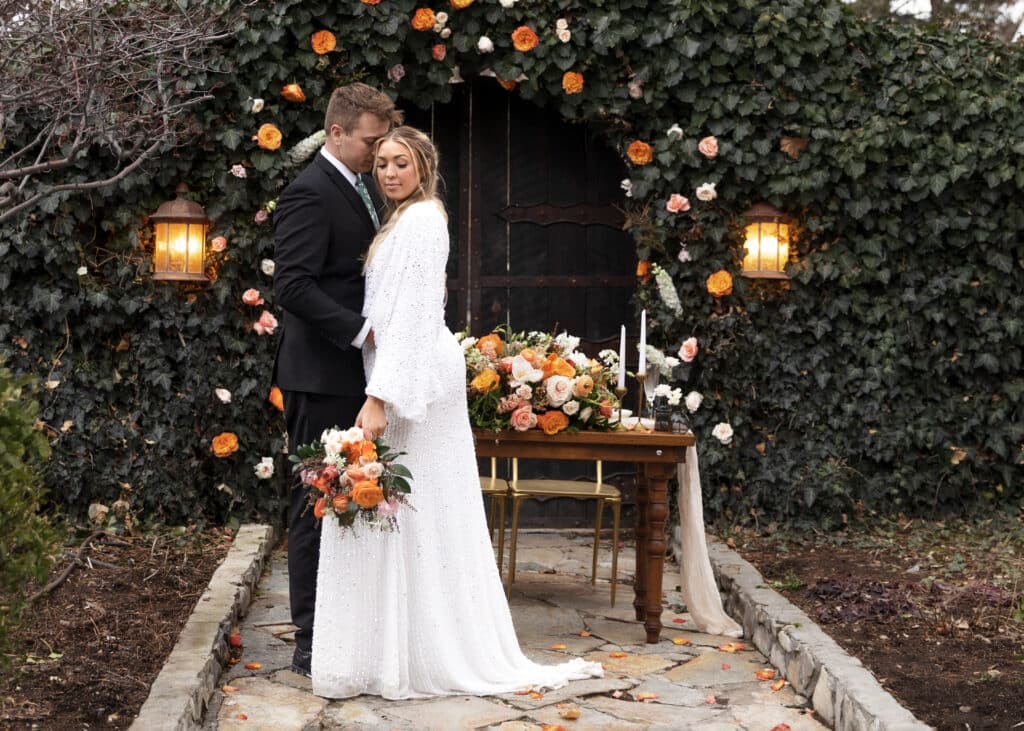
[
  {"x": 708, "y": 147},
  {"x": 252, "y": 297},
  {"x": 677, "y": 203},
  {"x": 266, "y": 324},
  {"x": 688, "y": 350}
]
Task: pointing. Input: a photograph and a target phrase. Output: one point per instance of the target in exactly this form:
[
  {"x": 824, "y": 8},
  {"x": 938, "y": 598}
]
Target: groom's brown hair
[{"x": 350, "y": 102}]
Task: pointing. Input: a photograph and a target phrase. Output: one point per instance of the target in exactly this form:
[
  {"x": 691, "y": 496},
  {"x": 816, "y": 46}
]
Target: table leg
[
  {"x": 640, "y": 574},
  {"x": 657, "y": 477}
]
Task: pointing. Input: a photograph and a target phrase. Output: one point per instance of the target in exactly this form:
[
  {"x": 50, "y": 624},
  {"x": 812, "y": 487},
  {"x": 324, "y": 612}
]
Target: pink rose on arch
[
  {"x": 266, "y": 324},
  {"x": 688, "y": 350},
  {"x": 261, "y": 216},
  {"x": 523, "y": 418},
  {"x": 708, "y": 147},
  {"x": 252, "y": 297},
  {"x": 677, "y": 203},
  {"x": 218, "y": 243},
  {"x": 397, "y": 73}
]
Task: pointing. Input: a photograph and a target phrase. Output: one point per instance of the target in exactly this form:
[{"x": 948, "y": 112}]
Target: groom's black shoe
[{"x": 301, "y": 660}]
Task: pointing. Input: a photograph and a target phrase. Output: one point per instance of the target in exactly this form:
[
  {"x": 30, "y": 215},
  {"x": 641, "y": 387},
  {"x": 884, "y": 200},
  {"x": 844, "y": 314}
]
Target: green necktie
[{"x": 365, "y": 195}]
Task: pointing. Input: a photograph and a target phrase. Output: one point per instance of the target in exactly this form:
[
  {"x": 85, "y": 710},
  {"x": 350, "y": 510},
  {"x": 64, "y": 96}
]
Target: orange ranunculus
[
  {"x": 552, "y": 422},
  {"x": 461, "y": 4},
  {"x": 367, "y": 493},
  {"x": 293, "y": 93},
  {"x": 572, "y": 82},
  {"x": 643, "y": 269},
  {"x": 524, "y": 39},
  {"x": 720, "y": 284},
  {"x": 276, "y": 398},
  {"x": 490, "y": 344},
  {"x": 224, "y": 444},
  {"x": 506, "y": 84},
  {"x": 485, "y": 381},
  {"x": 323, "y": 41},
  {"x": 367, "y": 452},
  {"x": 320, "y": 508},
  {"x": 340, "y": 503},
  {"x": 584, "y": 385},
  {"x": 268, "y": 136},
  {"x": 423, "y": 19},
  {"x": 640, "y": 153}
]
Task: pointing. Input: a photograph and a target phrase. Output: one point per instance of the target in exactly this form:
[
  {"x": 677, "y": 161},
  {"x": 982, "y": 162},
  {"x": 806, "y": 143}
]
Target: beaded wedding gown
[{"x": 420, "y": 611}]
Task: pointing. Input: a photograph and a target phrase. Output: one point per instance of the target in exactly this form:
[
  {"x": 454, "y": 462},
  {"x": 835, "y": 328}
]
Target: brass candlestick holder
[
  {"x": 620, "y": 391},
  {"x": 641, "y": 395}
]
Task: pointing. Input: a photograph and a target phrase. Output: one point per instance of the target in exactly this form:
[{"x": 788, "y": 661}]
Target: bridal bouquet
[
  {"x": 353, "y": 478},
  {"x": 535, "y": 380}
]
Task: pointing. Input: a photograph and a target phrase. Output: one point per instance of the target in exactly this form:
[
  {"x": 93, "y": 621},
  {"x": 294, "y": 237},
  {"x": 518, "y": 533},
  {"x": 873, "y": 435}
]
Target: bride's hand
[{"x": 371, "y": 418}]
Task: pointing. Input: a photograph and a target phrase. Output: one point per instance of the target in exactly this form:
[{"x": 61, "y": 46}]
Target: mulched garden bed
[
  {"x": 86, "y": 653},
  {"x": 935, "y": 610}
]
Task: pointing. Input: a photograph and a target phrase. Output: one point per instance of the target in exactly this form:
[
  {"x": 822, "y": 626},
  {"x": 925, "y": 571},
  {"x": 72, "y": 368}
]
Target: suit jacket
[{"x": 321, "y": 231}]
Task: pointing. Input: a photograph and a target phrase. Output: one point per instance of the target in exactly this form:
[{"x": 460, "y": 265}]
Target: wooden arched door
[{"x": 537, "y": 240}]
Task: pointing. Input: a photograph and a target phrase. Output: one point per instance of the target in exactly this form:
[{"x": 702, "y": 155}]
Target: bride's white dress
[{"x": 420, "y": 611}]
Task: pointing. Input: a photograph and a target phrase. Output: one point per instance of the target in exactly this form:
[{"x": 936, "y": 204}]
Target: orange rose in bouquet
[{"x": 367, "y": 494}]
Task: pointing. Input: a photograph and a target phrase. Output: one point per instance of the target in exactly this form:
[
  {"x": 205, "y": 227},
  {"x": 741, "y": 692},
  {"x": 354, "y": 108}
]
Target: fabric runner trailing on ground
[{"x": 696, "y": 579}]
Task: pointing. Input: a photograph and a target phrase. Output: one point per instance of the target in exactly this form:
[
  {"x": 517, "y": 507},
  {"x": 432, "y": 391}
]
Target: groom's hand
[{"x": 371, "y": 418}]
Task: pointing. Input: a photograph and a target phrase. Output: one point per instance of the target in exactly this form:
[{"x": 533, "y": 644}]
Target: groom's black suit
[{"x": 322, "y": 228}]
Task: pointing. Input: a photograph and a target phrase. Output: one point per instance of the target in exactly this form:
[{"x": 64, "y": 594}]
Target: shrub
[{"x": 26, "y": 536}]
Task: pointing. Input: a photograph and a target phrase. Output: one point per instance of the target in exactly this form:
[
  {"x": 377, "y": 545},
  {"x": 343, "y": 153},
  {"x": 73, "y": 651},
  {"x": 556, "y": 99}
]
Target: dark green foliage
[
  {"x": 897, "y": 344},
  {"x": 27, "y": 539}
]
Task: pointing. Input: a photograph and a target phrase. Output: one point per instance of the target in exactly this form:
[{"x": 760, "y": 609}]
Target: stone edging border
[
  {"x": 844, "y": 693},
  {"x": 182, "y": 690}
]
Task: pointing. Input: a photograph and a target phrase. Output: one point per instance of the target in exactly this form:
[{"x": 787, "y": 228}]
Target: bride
[{"x": 420, "y": 611}]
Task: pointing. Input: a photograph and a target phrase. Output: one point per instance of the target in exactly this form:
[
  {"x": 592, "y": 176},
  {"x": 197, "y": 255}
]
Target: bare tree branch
[{"x": 89, "y": 89}]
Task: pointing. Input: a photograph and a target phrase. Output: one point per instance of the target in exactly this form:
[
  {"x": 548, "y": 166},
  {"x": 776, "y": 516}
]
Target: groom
[{"x": 323, "y": 224}]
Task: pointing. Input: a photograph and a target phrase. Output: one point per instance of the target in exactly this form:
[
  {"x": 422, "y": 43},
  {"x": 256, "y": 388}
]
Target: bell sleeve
[{"x": 407, "y": 312}]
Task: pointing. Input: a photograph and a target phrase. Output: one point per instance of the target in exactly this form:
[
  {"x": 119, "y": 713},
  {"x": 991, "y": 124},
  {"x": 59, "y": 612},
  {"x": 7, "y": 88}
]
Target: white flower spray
[
  {"x": 304, "y": 149},
  {"x": 667, "y": 290}
]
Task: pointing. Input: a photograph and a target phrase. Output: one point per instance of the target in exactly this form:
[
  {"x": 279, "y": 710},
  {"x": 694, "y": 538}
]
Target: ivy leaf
[{"x": 231, "y": 138}]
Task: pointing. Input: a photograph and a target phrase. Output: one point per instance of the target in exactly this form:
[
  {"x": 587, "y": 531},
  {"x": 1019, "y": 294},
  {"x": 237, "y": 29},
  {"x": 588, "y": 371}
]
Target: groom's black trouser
[{"x": 306, "y": 416}]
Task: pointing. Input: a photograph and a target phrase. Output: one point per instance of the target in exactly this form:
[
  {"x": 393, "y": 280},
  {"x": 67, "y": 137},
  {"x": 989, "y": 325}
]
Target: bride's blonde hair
[{"x": 425, "y": 164}]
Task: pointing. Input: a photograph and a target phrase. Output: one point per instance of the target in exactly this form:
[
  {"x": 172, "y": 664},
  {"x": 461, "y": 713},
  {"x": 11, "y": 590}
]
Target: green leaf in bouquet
[
  {"x": 401, "y": 470},
  {"x": 400, "y": 484}
]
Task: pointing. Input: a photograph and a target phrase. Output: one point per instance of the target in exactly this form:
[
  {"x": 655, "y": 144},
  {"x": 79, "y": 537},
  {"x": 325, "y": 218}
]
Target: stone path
[{"x": 693, "y": 684}]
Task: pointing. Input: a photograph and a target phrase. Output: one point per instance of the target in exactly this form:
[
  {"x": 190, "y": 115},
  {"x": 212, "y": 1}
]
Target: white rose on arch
[
  {"x": 693, "y": 401},
  {"x": 706, "y": 192},
  {"x": 264, "y": 469},
  {"x": 722, "y": 432},
  {"x": 485, "y": 45}
]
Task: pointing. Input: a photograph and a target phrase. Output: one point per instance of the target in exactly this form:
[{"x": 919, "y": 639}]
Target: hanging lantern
[
  {"x": 767, "y": 243},
  {"x": 180, "y": 228}
]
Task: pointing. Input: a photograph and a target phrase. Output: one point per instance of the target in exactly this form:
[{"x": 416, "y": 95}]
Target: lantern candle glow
[
  {"x": 766, "y": 243},
  {"x": 180, "y": 229}
]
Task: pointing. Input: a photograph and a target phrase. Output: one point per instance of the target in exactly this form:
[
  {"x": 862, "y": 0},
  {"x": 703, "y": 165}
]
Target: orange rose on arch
[
  {"x": 572, "y": 82},
  {"x": 323, "y": 41},
  {"x": 423, "y": 19},
  {"x": 720, "y": 284},
  {"x": 461, "y": 4},
  {"x": 367, "y": 493},
  {"x": 506, "y": 85},
  {"x": 224, "y": 444},
  {"x": 524, "y": 39},
  {"x": 643, "y": 269},
  {"x": 276, "y": 398},
  {"x": 639, "y": 152},
  {"x": 293, "y": 93},
  {"x": 552, "y": 422},
  {"x": 268, "y": 136}
]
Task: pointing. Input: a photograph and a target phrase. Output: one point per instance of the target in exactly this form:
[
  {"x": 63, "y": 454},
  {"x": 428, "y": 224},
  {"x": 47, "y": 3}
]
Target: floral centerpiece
[
  {"x": 536, "y": 380},
  {"x": 353, "y": 479}
]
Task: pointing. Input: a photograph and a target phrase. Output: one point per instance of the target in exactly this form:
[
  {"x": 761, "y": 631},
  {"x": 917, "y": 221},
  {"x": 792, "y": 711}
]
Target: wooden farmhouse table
[{"x": 657, "y": 452}]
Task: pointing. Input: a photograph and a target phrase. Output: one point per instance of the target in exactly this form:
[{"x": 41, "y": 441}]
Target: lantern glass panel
[{"x": 767, "y": 248}]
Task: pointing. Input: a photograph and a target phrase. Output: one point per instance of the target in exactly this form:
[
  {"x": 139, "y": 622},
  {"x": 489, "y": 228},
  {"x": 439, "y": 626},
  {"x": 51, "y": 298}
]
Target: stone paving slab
[{"x": 696, "y": 685}]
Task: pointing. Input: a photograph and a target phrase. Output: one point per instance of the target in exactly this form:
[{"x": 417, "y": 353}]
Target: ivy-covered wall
[{"x": 887, "y": 375}]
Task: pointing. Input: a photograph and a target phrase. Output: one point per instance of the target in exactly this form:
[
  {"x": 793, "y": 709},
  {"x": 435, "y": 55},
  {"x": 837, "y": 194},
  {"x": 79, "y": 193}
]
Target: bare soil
[
  {"x": 87, "y": 653},
  {"x": 935, "y": 610}
]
